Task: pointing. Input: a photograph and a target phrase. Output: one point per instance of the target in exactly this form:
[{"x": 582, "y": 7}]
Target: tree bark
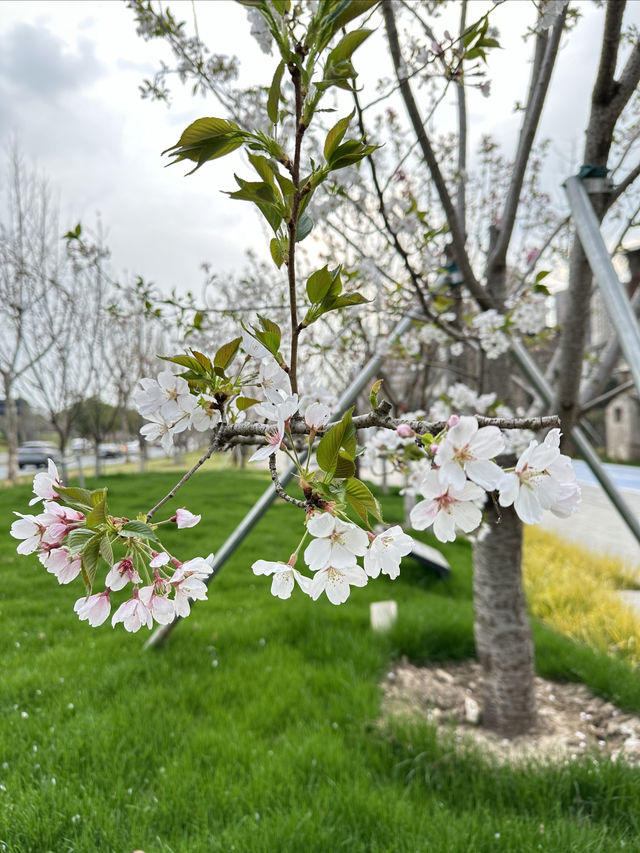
[
  {"x": 11, "y": 421},
  {"x": 504, "y": 643}
]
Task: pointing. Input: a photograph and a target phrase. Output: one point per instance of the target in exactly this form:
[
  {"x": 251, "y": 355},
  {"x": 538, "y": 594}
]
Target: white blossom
[
  {"x": 447, "y": 508},
  {"x": 467, "y": 451},
  {"x": 284, "y": 577},
  {"x": 489, "y": 325},
  {"x": 386, "y": 551},
  {"x": 337, "y": 542},
  {"x": 336, "y": 582}
]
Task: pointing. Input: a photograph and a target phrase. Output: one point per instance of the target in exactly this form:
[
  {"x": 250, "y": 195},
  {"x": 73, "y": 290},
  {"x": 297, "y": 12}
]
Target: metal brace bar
[{"x": 613, "y": 293}]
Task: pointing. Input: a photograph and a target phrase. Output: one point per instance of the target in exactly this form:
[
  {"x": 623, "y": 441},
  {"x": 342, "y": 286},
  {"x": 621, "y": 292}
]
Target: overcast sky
[{"x": 69, "y": 76}]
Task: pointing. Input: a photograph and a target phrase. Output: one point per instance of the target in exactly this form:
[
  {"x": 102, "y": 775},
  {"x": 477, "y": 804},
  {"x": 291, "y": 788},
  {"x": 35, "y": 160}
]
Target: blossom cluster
[
  {"x": 332, "y": 556},
  {"x": 69, "y": 541},
  {"x": 170, "y": 408},
  {"x": 464, "y": 470}
]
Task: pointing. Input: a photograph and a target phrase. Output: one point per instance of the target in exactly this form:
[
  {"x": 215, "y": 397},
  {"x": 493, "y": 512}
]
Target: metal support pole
[
  {"x": 613, "y": 294},
  {"x": 545, "y": 392},
  {"x": 348, "y": 398}
]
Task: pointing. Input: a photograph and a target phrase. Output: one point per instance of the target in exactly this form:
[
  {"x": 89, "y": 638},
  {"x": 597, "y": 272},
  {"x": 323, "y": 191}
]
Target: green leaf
[
  {"x": 203, "y": 360},
  {"x": 361, "y": 500},
  {"x": 76, "y": 495},
  {"x": 243, "y": 403},
  {"x": 184, "y": 361},
  {"x": 347, "y": 11},
  {"x": 227, "y": 352},
  {"x": 342, "y": 436},
  {"x": 347, "y": 45},
  {"x": 138, "y": 530},
  {"x": 542, "y": 274},
  {"x": 106, "y": 551},
  {"x": 78, "y": 538},
  {"x": 348, "y": 299},
  {"x": 373, "y": 394},
  {"x": 98, "y": 514},
  {"x": 279, "y": 248},
  {"x": 273, "y": 101},
  {"x": 304, "y": 228},
  {"x": 345, "y": 467},
  {"x": 336, "y": 135},
  {"x": 90, "y": 557},
  {"x": 206, "y": 139},
  {"x": 318, "y": 284}
]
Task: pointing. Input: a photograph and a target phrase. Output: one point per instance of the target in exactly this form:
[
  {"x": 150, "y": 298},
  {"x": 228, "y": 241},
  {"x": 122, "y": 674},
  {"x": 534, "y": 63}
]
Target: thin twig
[
  {"x": 280, "y": 488},
  {"x": 215, "y": 445}
]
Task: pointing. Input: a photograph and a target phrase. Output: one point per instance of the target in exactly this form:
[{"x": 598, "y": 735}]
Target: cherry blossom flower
[
  {"x": 121, "y": 574},
  {"x": 386, "y": 551},
  {"x": 159, "y": 559},
  {"x": 161, "y": 607},
  {"x": 184, "y": 518},
  {"x": 274, "y": 438},
  {"x": 30, "y": 529},
  {"x": 447, "y": 508},
  {"x": 336, "y": 582},
  {"x": 187, "y": 586},
  {"x": 95, "y": 608},
  {"x": 279, "y": 412},
  {"x": 284, "y": 577},
  {"x": 64, "y": 565},
  {"x": 45, "y": 485},
  {"x": 316, "y": 415},
  {"x": 154, "y": 393},
  {"x": 543, "y": 479},
  {"x": 274, "y": 380},
  {"x": 253, "y": 347},
  {"x": 466, "y": 451},
  {"x": 337, "y": 543},
  {"x": 58, "y": 522},
  {"x": 133, "y": 614},
  {"x": 200, "y": 567},
  {"x": 159, "y": 428}
]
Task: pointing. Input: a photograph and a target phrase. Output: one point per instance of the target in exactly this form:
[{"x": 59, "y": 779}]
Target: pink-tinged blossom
[
  {"x": 200, "y": 567},
  {"x": 59, "y": 562},
  {"x": 466, "y": 451},
  {"x": 30, "y": 529},
  {"x": 386, "y": 551},
  {"x": 405, "y": 431},
  {"x": 94, "y": 609},
  {"x": 133, "y": 614},
  {"x": 447, "y": 508},
  {"x": 45, "y": 486},
  {"x": 274, "y": 438},
  {"x": 159, "y": 559},
  {"x": 284, "y": 577},
  {"x": 187, "y": 587},
  {"x": 184, "y": 518},
  {"x": 121, "y": 574},
  {"x": 161, "y": 606},
  {"x": 336, "y": 583},
  {"x": 58, "y": 522},
  {"x": 543, "y": 479},
  {"x": 337, "y": 543},
  {"x": 316, "y": 416}
]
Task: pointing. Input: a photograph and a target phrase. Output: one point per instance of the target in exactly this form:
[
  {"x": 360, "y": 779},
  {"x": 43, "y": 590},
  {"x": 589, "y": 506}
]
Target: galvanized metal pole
[
  {"x": 348, "y": 398},
  {"x": 545, "y": 392},
  {"x": 613, "y": 293}
]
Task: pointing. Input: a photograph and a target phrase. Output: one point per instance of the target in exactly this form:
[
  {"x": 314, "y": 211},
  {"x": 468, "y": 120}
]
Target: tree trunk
[{"x": 504, "y": 643}]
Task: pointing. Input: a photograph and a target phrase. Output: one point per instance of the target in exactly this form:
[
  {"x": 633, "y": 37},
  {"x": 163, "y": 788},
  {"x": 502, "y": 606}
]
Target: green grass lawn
[{"x": 257, "y": 727}]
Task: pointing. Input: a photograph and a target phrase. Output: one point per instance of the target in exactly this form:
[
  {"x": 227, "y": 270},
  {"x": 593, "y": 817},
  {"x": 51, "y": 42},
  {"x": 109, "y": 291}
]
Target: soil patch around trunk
[{"x": 572, "y": 721}]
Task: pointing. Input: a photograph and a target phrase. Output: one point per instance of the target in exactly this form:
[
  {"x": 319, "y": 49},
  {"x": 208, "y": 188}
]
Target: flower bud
[
  {"x": 453, "y": 420},
  {"x": 405, "y": 431}
]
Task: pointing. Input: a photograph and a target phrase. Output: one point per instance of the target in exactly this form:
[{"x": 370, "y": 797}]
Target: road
[{"x": 87, "y": 460}]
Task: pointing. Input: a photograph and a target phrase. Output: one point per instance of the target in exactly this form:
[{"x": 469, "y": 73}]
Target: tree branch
[
  {"x": 546, "y": 53},
  {"x": 457, "y": 237},
  {"x": 279, "y": 487}
]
